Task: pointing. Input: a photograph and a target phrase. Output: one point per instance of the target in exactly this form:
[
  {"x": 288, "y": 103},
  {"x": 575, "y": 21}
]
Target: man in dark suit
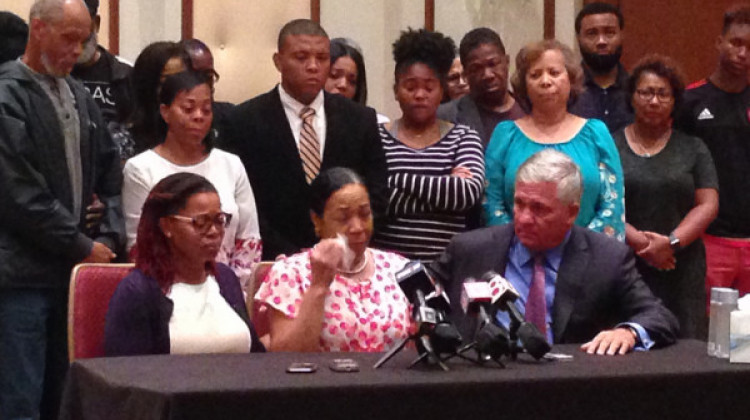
[
  {"x": 588, "y": 289},
  {"x": 269, "y": 132}
]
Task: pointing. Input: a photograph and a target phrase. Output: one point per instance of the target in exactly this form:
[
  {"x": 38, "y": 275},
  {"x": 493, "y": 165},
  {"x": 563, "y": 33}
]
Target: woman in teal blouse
[{"x": 547, "y": 80}]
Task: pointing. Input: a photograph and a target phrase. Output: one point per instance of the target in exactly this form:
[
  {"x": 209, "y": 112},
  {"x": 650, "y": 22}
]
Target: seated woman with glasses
[
  {"x": 186, "y": 146},
  {"x": 178, "y": 299},
  {"x": 341, "y": 295},
  {"x": 672, "y": 194}
]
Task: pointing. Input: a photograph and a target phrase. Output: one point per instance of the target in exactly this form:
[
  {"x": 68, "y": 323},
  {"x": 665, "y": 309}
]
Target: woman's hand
[
  {"x": 658, "y": 253},
  {"x": 461, "y": 172},
  {"x": 325, "y": 258}
]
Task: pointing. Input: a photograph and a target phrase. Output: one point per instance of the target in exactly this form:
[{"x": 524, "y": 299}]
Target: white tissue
[{"x": 349, "y": 256}]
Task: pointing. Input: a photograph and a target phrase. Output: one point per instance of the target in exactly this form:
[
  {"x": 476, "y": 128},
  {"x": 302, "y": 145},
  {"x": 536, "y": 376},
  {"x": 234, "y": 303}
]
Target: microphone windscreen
[
  {"x": 533, "y": 341},
  {"x": 445, "y": 338}
]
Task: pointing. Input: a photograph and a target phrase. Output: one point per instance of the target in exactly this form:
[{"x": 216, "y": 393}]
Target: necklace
[
  {"x": 359, "y": 269},
  {"x": 637, "y": 146}
]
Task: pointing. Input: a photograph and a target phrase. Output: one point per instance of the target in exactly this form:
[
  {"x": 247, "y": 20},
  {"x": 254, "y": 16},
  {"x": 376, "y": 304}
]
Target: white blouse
[
  {"x": 241, "y": 247},
  {"x": 203, "y": 322}
]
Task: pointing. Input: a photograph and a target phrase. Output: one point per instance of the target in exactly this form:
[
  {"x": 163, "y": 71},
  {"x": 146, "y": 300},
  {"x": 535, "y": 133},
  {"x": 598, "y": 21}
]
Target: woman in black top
[{"x": 671, "y": 193}]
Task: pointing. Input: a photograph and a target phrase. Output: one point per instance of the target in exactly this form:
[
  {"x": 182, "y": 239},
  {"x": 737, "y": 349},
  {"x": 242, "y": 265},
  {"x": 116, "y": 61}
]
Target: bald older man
[{"x": 55, "y": 154}]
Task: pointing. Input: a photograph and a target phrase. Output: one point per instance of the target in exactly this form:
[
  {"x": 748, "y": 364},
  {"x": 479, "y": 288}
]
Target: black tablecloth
[{"x": 680, "y": 381}]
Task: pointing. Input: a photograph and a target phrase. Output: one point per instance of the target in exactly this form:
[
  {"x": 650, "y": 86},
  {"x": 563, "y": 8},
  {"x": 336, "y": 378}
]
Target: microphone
[
  {"x": 504, "y": 296},
  {"x": 490, "y": 338},
  {"x": 430, "y": 306}
]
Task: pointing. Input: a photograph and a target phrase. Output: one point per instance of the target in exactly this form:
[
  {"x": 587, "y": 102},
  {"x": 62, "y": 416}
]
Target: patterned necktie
[
  {"x": 309, "y": 147},
  {"x": 536, "y": 304}
]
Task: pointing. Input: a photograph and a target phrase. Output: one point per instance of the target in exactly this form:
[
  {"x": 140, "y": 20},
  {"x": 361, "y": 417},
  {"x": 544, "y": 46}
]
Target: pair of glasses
[
  {"x": 203, "y": 222},
  {"x": 662, "y": 95}
]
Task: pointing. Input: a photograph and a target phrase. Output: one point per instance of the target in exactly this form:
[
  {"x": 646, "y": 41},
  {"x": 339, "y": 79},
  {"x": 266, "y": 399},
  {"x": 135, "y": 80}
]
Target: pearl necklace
[{"x": 359, "y": 269}]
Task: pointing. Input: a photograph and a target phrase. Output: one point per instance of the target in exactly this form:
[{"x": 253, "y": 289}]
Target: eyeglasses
[
  {"x": 662, "y": 95},
  {"x": 203, "y": 222}
]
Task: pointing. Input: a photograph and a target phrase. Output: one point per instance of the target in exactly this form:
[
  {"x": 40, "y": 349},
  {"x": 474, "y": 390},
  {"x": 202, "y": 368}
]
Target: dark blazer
[
  {"x": 139, "y": 312},
  {"x": 259, "y": 133},
  {"x": 597, "y": 285}
]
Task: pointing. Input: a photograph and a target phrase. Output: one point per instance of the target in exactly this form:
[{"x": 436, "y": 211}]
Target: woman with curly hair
[
  {"x": 547, "y": 81},
  {"x": 178, "y": 299},
  {"x": 435, "y": 168},
  {"x": 672, "y": 193}
]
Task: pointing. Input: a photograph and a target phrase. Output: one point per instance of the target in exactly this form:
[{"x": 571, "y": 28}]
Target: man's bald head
[{"x": 57, "y": 31}]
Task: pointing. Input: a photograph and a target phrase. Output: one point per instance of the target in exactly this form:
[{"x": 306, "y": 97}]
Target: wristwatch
[{"x": 674, "y": 242}]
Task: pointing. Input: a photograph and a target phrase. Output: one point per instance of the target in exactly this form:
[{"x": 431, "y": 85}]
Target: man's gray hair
[
  {"x": 47, "y": 10},
  {"x": 549, "y": 165}
]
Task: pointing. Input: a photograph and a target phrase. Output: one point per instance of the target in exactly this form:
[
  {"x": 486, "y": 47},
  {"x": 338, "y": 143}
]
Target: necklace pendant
[{"x": 648, "y": 155}]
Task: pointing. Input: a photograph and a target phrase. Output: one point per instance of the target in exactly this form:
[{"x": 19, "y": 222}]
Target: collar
[
  {"x": 552, "y": 256},
  {"x": 296, "y": 106},
  {"x": 620, "y": 80}
]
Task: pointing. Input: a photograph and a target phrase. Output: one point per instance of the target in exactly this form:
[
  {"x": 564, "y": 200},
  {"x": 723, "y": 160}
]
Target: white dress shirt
[{"x": 292, "y": 109}]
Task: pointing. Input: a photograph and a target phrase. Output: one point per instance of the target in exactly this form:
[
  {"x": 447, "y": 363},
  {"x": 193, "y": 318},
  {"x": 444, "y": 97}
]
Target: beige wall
[
  {"x": 22, "y": 7},
  {"x": 374, "y": 25},
  {"x": 242, "y": 36},
  {"x": 242, "y": 33}
]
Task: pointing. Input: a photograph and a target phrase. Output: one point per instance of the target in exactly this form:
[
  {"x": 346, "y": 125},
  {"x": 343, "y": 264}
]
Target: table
[{"x": 679, "y": 381}]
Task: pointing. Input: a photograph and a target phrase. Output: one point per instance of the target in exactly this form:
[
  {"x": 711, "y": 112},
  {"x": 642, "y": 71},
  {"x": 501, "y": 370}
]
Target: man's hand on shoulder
[
  {"x": 620, "y": 340},
  {"x": 100, "y": 253}
]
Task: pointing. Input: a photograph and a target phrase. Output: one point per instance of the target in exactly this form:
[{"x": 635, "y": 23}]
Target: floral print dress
[{"x": 370, "y": 315}]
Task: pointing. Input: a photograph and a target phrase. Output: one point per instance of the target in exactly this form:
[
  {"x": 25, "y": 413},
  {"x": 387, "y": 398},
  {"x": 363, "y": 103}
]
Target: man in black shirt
[
  {"x": 107, "y": 79},
  {"x": 717, "y": 110},
  {"x": 599, "y": 29},
  {"x": 486, "y": 71}
]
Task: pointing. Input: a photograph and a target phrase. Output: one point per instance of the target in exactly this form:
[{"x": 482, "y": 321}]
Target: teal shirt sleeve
[
  {"x": 610, "y": 207},
  {"x": 496, "y": 208}
]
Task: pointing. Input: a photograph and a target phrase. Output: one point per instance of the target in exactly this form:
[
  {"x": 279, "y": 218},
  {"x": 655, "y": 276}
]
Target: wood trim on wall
[
  {"x": 429, "y": 15},
  {"x": 549, "y": 19},
  {"x": 315, "y": 10},
  {"x": 114, "y": 26},
  {"x": 187, "y": 19}
]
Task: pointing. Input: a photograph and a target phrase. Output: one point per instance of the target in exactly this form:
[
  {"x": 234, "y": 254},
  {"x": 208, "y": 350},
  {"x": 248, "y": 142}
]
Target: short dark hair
[
  {"x": 433, "y": 49},
  {"x": 14, "y": 33},
  {"x": 599, "y": 8},
  {"x": 661, "y": 66},
  {"x": 300, "y": 27},
  {"x": 476, "y": 37},
  {"x": 739, "y": 15},
  {"x": 183, "y": 82},
  {"x": 529, "y": 54},
  {"x": 341, "y": 48},
  {"x": 151, "y": 250},
  {"x": 146, "y": 78},
  {"x": 327, "y": 183}
]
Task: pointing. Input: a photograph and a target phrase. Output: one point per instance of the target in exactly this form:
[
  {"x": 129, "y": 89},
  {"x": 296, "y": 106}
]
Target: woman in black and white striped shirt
[{"x": 435, "y": 168}]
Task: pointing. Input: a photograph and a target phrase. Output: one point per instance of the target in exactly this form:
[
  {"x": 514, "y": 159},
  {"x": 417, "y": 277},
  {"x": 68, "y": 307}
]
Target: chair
[
  {"x": 258, "y": 314},
  {"x": 91, "y": 288}
]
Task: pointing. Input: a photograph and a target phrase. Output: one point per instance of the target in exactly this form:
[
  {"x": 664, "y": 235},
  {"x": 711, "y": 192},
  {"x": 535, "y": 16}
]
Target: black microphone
[
  {"x": 504, "y": 296},
  {"x": 491, "y": 339},
  {"x": 430, "y": 306}
]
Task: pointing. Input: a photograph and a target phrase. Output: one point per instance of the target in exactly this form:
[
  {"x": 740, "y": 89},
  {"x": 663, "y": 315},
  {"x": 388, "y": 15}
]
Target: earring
[{"x": 168, "y": 234}]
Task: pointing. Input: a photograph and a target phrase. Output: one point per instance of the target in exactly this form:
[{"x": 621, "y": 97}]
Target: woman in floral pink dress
[{"x": 340, "y": 295}]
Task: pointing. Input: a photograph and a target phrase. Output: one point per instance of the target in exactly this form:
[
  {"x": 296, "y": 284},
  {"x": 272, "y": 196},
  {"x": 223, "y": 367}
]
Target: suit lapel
[
  {"x": 502, "y": 238},
  {"x": 569, "y": 281},
  {"x": 333, "y": 131},
  {"x": 281, "y": 134}
]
